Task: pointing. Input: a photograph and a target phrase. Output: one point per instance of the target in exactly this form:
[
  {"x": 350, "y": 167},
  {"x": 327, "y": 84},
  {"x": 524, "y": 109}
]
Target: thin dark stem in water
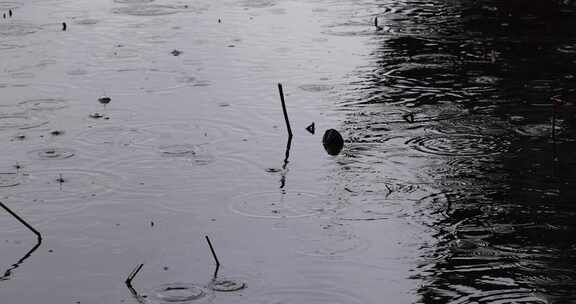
[
  {"x": 133, "y": 274},
  {"x": 8, "y": 272},
  {"x": 136, "y": 296},
  {"x": 285, "y": 164},
  {"x": 215, "y": 274},
  {"x": 281, "y": 91},
  {"x": 128, "y": 282},
  {"x": 21, "y": 220},
  {"x": 389, "y": 190},
  {"x": 213, "y": 252},
  {"x": 214, "y": 256}
]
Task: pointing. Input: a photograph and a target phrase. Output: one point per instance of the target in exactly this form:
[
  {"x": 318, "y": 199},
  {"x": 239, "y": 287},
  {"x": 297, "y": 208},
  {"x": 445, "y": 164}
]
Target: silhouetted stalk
[
  {"x": 128, "y": 282},
  {"x": 285, "y": 164},
  {"x": 284, "y": 110},
  {"x": 213, "y": 253},
  {"x": 389, "y": 190},
  {"x": 21, "y": 220},
  {"x": 133, "y": 275},
  {"x": 8, "y": 272}
]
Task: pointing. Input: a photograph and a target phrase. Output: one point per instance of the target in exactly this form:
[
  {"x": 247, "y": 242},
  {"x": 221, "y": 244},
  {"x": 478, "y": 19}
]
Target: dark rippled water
[
  {"x": 451, "y": 187},
  {"x": 478, "y": 77}
]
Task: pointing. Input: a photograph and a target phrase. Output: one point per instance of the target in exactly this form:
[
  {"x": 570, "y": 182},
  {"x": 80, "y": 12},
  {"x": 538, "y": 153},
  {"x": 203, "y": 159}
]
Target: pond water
[{"x": 455, "y": 184}]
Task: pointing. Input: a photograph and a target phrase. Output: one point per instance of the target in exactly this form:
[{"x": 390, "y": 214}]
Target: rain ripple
[
  {"x": 45, "y": 104},
  {"x": 17, "y": 29},
  {"x": 519, "y": 295},
  {"x": 182, "y": 293},
  {"x": 149, "y": 10},
  {"x": 52, "y": 153},
  {"x": 53, "y": 192},
  {"x": 274, "y": 205},
  {"x": 303, "y": 295},
  {"x": 459, "y": 145}
]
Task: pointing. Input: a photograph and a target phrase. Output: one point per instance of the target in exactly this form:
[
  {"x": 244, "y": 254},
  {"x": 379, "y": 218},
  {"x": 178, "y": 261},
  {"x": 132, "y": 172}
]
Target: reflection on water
[
  {"x": 501, "y": 212},
  {"x": 445, "y": 187}
]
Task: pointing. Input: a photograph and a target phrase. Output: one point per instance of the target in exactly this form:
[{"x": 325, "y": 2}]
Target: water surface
[{"x": 449, "y": 189}]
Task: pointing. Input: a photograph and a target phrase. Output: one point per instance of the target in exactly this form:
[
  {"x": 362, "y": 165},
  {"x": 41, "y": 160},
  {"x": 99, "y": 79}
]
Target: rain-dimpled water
[{"x": 132, "y": 129}]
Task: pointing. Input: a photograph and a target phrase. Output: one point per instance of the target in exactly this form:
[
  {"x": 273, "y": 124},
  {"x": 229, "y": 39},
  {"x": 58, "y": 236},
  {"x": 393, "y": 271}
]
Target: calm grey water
[{"x": 450, "y": 187}]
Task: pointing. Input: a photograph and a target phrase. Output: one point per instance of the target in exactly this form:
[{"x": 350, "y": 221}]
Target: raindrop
[{"x": 52, "y": 153}]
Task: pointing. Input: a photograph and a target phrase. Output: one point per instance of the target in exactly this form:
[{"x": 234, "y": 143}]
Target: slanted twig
[
  {"x": 8, "y": 272},
  {"x": 285, "y": 164},
  {"x": 389, "y": 190},
  {"x": 21, "y": 220},
  {"x": 284, "y": 110},
  {"x": 133, "y": 274},
  {"x": 213, "y": 252},
  {"x": 128, "y": 283}
]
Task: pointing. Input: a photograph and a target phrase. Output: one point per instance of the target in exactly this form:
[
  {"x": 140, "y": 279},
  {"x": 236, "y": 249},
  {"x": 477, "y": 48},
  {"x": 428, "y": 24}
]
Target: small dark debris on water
[
  {"x": 408, "y": 117},
  {"x": 348, "y": 189},
  {"x": 165, "y": 268},
  {"x": 311, "y": 128},
  {"x": 378, "y": 27},
  {"x": 104, "y": 100},
  {"x": 10, "y": 13},
  {"x": 219, "y": 20},
  {"x": 151, "y": 223},
  {"x": 273, "y": 170},
  {"x": 389, "y": 190},
  {"x": 333, "y": 142},
  {"x": 96, "y": 115},
  {"x": 64, "y": 26},
  {"x": 20, "y": 137},
  {"x": 4, "y": 15},
  {"x": 60, "y": 179},
  {"x": 176, "y": 52},
  {"x": 56, "y": 132},
  {"x": 231, "y": 46},
  {"x": 50, "y": 151}
]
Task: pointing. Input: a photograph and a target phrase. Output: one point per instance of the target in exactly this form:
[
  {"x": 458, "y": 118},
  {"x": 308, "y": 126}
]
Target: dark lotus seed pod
[{"x": 332, "y": 141}]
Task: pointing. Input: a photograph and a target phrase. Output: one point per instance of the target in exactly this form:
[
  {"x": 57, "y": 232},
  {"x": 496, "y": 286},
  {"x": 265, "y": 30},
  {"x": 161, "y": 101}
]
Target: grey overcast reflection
[{"x": 287, "y": 151}]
